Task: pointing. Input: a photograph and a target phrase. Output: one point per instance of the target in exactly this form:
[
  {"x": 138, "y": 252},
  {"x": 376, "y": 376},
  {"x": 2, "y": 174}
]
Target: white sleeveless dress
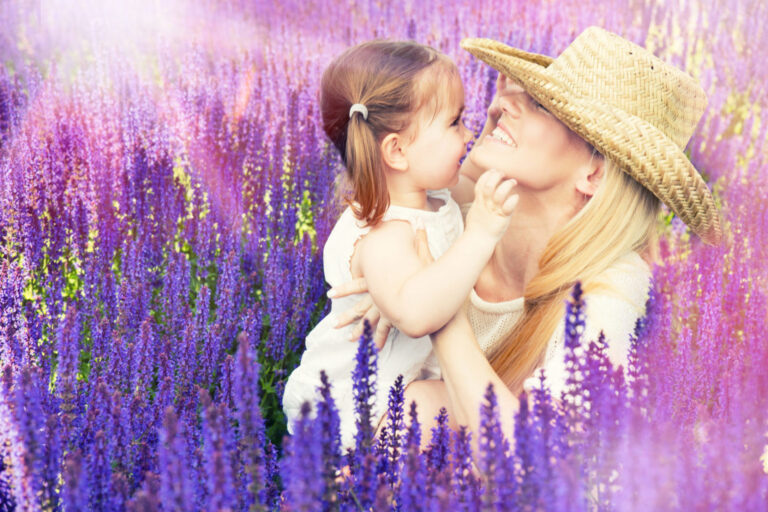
[{"x": 329, "y": 349}]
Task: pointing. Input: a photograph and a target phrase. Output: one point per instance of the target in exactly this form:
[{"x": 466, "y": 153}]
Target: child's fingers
[
  {"x": 503, "y": 191},
  {"x": 509, "y": 205},
  {"x": 355, "y": 312},
  {"x": 382, "y": 331},
  {"x": 491, "y": 181},
  {"x": 480, "y": 184},
  {"x": 358, "y": 285}
]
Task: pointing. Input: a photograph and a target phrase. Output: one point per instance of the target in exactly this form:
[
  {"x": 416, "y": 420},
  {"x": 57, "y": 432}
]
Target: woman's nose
[{"x": 509, "y": 104}]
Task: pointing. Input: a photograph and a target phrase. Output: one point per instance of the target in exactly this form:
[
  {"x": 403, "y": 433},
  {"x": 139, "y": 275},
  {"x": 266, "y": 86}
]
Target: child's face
[{"x": 434, "y": 155}]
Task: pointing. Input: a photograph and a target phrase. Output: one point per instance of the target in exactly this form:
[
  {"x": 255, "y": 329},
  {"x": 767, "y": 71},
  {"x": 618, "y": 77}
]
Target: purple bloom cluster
[{"x": 165, "y": 194}]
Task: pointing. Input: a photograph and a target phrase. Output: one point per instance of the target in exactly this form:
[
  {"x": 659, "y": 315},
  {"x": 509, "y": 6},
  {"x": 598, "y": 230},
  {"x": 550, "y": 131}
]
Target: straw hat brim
[{"x": 639, "y": 148}]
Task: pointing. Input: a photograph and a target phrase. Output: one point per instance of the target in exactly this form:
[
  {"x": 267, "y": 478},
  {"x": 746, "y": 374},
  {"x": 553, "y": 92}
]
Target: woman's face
[{"x": 528, "y": 143}]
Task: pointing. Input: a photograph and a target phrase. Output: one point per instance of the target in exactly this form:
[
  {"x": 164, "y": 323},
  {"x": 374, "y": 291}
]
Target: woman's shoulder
[
  {"x": 627, "y": 280},
  {"x": 613, "y": 302}
]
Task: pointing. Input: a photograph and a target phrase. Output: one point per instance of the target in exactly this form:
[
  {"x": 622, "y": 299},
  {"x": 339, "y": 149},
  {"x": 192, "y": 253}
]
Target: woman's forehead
[{"x": 511, "y": 85}]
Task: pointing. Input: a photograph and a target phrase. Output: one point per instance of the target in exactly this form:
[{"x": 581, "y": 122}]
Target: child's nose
[{"x": 468, "y": 135}]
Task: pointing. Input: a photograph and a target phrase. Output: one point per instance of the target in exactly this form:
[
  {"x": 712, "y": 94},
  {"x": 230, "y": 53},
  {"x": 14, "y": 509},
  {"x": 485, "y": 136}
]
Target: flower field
[{"x": 165, "y": 193}]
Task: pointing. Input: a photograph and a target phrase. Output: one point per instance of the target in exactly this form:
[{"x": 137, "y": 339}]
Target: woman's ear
[
  {"x": 392, "y": 151},
  {"x": 591, "y": 176}
]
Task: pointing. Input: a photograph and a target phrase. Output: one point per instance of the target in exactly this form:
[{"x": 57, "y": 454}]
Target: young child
[{"x": 393, "y": 110}]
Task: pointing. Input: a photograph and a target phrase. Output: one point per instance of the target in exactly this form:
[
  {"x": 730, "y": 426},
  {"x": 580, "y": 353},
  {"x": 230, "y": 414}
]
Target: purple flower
[
  {"x": 572, "y": 398},
  {"x": 302, "y": 464},
  {"x": 25, "y": 424},
  {"x": 494, "y": 461},
  {"x": 227, "y": 291},
  {"x": 276, "y": 283},
  {"x": 99, "y": 471},
  {"x": 144, "y": 354},
  {"x": 439, "y": 446},
  {"x": 390, "y": 443},
  {"x": 257, "y": 480},
  {"x": 574, "y": 318},
  {"x": 68, "y": 349},
  {"x": 364, "y": 395},
  {"x": 74, "y": 491},
  {"x": 176, "y": 490},
  {"x": 330, "y": 441},
  {"x": 11, "y": 291},
  {"x": 411, "y": 493},
  {"x": 219, "y": 447},
  {"x": 466, "y": 486}
]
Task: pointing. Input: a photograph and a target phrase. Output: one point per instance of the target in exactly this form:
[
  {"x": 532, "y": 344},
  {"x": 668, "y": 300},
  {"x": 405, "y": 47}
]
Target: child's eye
[
  {"x": 456, "y": 121},
  {"x": 538, "y": 105}
]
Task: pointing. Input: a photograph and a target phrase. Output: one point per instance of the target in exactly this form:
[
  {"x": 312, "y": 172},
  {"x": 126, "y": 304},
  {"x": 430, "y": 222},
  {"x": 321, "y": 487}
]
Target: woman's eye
[
  {"x": 539, "y": 106},
  {"x": 456, "y": 122}
]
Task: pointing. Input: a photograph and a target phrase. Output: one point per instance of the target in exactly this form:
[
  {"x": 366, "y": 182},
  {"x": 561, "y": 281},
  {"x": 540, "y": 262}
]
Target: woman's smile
[{"x": 501, "y": 135}]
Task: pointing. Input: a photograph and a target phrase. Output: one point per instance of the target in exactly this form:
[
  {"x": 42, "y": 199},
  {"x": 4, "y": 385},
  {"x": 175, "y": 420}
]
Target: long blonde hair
[{"x": 622, "y": 216}]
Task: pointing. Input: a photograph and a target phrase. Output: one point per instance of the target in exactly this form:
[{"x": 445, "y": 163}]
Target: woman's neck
[{"x": 515, "y": 260}]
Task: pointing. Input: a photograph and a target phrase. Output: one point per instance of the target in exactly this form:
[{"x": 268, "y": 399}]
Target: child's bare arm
[{"x": 420, "y": 298}]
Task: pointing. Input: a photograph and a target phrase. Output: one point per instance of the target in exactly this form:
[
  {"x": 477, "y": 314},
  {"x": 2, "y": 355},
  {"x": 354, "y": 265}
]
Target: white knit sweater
[{"x": 614, "y": 312}]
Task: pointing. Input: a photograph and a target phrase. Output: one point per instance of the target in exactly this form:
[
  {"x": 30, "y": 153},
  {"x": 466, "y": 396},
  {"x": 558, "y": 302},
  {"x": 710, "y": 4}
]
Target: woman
[{"x": 595, "y": 139}]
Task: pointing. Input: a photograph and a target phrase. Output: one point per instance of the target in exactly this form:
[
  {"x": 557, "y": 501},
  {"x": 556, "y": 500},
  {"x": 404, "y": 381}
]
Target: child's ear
[
  {"x": 392, "y": 151},
  {"x": 590, "y": 177}
]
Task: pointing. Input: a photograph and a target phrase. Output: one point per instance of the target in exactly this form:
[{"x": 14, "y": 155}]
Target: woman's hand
[{"x": 365, "y": 309}]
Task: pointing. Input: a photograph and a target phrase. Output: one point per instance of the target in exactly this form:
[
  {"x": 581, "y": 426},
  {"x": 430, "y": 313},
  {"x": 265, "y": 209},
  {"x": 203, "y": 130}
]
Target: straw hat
[{"x": 630, "y": 105}]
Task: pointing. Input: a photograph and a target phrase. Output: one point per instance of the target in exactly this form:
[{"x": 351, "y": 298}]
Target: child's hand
[{"x": 494, "y": 203}]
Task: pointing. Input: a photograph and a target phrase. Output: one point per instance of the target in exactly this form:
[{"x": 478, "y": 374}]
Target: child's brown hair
[{"x": 383, "y": 76}]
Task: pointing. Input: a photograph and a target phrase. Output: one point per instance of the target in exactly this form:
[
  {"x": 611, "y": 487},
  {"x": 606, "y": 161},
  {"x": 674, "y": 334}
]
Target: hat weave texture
[{"x": 634, "y": 108}]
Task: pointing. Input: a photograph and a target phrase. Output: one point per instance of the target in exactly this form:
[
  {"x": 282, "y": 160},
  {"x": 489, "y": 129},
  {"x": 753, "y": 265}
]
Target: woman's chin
[
  {"x": 491, "y": 155},
  {"x": 485, "y": 161}
]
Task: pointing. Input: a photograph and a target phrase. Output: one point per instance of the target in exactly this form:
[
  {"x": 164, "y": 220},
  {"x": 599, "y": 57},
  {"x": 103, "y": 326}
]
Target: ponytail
[{"x": 363, "y": 160}]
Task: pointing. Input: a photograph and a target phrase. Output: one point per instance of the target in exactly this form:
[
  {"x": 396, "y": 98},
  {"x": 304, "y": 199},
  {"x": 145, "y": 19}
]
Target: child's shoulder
[
  {"x": 389, "y": 231},
  {"x": 388, "y": 238},
  {"x": 350, "y": 230}
]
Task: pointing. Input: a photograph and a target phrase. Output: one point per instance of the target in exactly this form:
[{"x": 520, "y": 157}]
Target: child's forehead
[{"x": 440, "y": 88}]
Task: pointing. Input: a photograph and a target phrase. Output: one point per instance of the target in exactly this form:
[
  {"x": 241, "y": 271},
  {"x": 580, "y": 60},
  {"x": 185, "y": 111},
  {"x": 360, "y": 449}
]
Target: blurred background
[{"x": 166, "y": 190}]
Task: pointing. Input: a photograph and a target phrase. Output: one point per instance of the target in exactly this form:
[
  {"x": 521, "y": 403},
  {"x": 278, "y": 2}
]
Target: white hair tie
[{"x": 358, "y": 107}]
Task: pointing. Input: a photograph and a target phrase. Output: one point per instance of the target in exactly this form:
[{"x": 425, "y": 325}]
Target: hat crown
[{"x": 619, "y": 74}]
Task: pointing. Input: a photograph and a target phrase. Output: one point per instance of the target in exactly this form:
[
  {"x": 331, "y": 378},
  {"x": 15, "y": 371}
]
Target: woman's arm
[
  {"x": 419, "y": 298},
  {"x": 467, "y": 373}
]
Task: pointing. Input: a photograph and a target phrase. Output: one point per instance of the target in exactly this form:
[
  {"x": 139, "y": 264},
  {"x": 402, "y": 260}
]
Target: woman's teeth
[{"x": 501, "y": 136}]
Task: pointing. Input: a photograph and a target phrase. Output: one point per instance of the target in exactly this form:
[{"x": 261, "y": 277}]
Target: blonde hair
[
  {"x": 383, "y": 76},
  {"x": 621, "y": 217}
]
